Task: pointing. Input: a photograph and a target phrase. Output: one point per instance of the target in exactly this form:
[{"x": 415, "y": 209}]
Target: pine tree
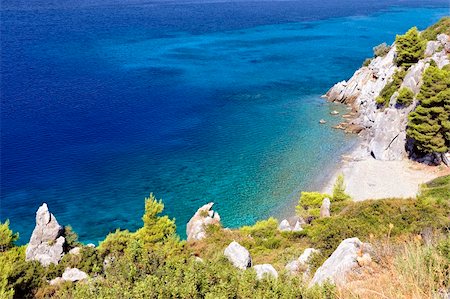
[
  {"x": 429, "y": 123},
  {"x": 410, "y": 48}
]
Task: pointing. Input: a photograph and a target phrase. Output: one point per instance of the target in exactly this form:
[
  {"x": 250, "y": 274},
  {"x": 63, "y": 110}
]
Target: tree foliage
[
  {"x": 410, "y": 48},
  {"x": 339, "y": 190},
  {"x": 429, "y": 123},
  {"x": 390, "y": 88},
  {"x": 405, "y": 96},
  {"x": 7, "y": 237}
]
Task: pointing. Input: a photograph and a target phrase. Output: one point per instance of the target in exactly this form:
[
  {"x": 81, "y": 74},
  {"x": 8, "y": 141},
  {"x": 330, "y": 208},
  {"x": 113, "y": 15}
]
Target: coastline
[{"x": 368, "y": 178}]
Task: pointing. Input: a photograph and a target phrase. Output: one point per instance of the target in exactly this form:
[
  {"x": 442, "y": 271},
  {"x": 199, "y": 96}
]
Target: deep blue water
[{"x": 104, "y": 102}]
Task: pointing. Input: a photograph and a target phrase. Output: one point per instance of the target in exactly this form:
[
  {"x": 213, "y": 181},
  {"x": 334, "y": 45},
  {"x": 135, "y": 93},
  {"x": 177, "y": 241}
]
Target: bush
[
  {"x": 405, "y": 96},
  {"x": 373, "y": 217},
  {"x": 410, "y": 48},
  {"x": 339, "y": 190},
  {"x": 7, "y": 237},
  {"x": 309, "y": 204},
  {"x": 443, "y": 26},
  {"x": 381, "y": 50},
  {"x": 390, "y": 88},
  {"x": 438, "y": 189},
  {"x": 367, "y": 61}
]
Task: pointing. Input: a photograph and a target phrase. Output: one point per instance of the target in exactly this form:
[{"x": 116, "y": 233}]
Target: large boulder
[
  {"x": 445, "y": 41},
  {"x": 350, "y": 254},
  {"x": 265, "y": 270},
  {"x": 46, "y": 242},
  {"x": 74, "y": 274},
  {"x": 195, "y": 229},
  {"x": 238, "y": 255}
]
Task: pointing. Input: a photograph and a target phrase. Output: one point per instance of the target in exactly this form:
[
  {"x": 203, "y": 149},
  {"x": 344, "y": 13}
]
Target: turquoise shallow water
[{"x": 94, "y": 120}]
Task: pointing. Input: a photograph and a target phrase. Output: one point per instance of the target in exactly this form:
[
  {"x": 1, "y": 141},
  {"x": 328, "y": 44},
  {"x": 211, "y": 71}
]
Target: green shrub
[
  {"x": 442, "y": 26},
  {"x": 7, "y": 237},
  {"x": 262, "y": 229},
  {"x": 410, "y": 48},
  {"x": 373, "y": 217},
  {"x": 339, "y": 190},
  {"x": 381, "y": 50},
  {"x": 438, "y": 189},
  {"x": 405, "y": 96},
  {"x": 309, "y": 204},
  {"x": 390, "y": 88},
  {"x": 367, "y": 61}
]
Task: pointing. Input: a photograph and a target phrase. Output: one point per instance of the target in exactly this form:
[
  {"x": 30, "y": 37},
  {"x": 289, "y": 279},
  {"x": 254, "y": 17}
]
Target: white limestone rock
[
  {"x": 325, "y": 208},
  {"x": 284, "y": 226},
  {"x": 74, "y": 274},
  {"x": 46, "y": 242},
  {"x": 195, "y": 229},
  {"x": 343, "y": 260},
  {"x": 75, "y": 250},
  {"x": 265, "y": 271},
  {"x": 238, "y": 255}
]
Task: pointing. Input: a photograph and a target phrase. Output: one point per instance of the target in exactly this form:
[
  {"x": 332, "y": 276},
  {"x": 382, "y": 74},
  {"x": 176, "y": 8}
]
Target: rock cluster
[
  {"x": 301, "y": 264},
  {"x": 46, "y": 242},
  {"x": 384, "y": 130},
  {"x": 350, "y": 254},
  {"x": 70, "y": 274},
  {"x": 241, "y": 259},
  {"x": 292, "y": 225},
  {"x": 195, "y": 229}
]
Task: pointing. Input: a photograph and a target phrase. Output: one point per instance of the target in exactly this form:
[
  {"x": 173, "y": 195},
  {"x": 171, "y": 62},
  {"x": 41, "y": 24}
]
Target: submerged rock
[
  {"x": 195, "y": 229},
  {"x": 265, "y": 270},
  {"x": 238, "y": 255},
  {"x": 348, "y": 256},
  {"x": 46, "y": 242}
]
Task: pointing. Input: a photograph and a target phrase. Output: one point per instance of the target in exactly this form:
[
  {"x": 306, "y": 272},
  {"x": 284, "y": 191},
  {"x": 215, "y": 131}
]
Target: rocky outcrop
[
  {"x": 74, "y": 274},
  {"x": 204, "y": 216},
  {"x": 238, "y": 255},
  {"x": 70, "y": 274},
  {"x": 383, "y": 129},
  {"x": 350, "y": 254},
  {"x": 325, "y": 208},
  {"x": 46, "y": 242},
  {"x": 301, "y": 264},
  {"x": 265, "y": 271},
  {"x": 75, "y": 251},
  {"x": 294, "y": 225}
]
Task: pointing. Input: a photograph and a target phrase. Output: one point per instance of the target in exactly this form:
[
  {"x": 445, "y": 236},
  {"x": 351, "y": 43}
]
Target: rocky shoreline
[{"x": 383, "y": 151}]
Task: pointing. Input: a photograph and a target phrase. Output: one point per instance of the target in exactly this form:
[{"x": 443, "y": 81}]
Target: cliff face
[{"x": 383, "y": 130}]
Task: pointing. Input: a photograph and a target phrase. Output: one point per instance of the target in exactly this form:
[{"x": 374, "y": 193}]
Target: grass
[{"x": 438, "y": 189}]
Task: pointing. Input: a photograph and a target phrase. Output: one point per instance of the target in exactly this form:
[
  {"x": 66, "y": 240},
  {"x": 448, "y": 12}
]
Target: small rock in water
[
  {"x": 334, "y": 112},
  {"x": 322, "y": 121}
]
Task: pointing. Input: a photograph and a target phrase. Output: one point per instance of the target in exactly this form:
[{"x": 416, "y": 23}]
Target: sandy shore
[{"x": 373, "y": 179}]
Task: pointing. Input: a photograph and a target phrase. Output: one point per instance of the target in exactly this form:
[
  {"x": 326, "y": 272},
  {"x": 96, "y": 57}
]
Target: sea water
[{"x": 104, "y": 102}]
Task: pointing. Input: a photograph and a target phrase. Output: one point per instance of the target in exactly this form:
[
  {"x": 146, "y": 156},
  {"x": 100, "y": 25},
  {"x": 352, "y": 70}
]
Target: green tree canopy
[
  {"x": 7, "y": 237},
  {"x": 410, "y": 48},
  {"x": 429, "y": 123}
]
